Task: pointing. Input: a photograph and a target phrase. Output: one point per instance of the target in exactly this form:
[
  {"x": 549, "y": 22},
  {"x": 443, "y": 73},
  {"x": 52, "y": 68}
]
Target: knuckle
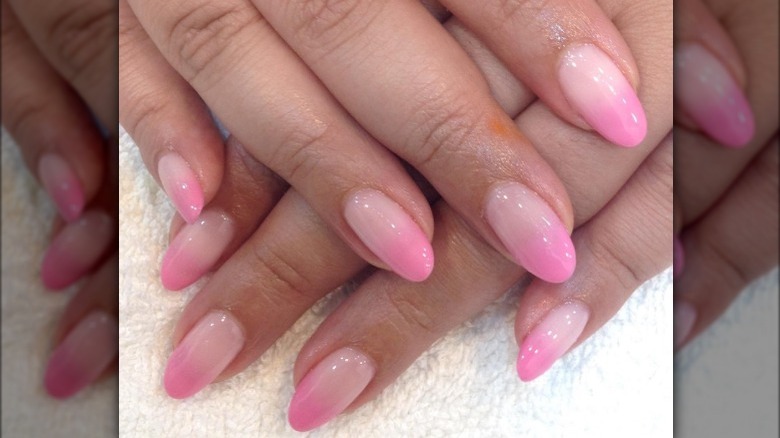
[
  {"x": 283, "y": 282},
  {"x": 80, "y": 34},
  {"x": 28, "y": 114},
  {"x": 511, "y": 10},
  {"x": 412, "y": 317},
  {"x": 609, "y": 258},
  {"x": 302, "y": 150},
  {"x": 204, "y": 31},
  {"x": 326, "y": 25},
  {"x": 141, "y": 109},
  {"x": 730, "y": 268},
  {"x": 441, "y": 129}
]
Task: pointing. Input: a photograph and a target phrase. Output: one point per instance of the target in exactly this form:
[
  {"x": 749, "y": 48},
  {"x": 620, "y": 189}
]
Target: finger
[
  {"x": 624, "y": 245},
  {"x": 437, "y": 115},
  {"x": 246, "y": 195},
  {"x": 733, "y": 244},
  {"x": 78, "y": 38},
  {"x": 284, "y": 267},
  {"x": 87, "y": 339},
  {"x": 710, "y": 77},
  {"x": 571, "y": 55},
  {"x": 294, "y": 126},
  {"x": 171, "y": 125},
  {"x": 57, "y": 139}
]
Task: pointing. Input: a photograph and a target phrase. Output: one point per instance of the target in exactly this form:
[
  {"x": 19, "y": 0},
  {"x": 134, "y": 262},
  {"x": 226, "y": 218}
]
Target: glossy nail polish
[
  {"x": 329, "y": 388},
  {"x": 551, "y": 339},
  {"x": 390, "y": 233},
  {"x": 596, "y": 88},
  {"x": 63, "y": 186},
  {"x": 531, "y": 232},
  {"x": 195, "y": 249},
  {"x": 684, "y": 320},
  {"x": 84, "y": 354},
  {"x": 679, "y": 258},
  {"x": 708, "y": 93},
  {"x": 77, "y": 248},
  {"x": 181, "y": 185},
  {"x": 203, "y": 354}
]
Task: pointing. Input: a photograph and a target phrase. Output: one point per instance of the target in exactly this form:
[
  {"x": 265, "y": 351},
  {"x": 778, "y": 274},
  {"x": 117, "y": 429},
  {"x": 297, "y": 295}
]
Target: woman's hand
[
  {"x": 287, "y": 264},
  {"x": 308, "y": 91}
]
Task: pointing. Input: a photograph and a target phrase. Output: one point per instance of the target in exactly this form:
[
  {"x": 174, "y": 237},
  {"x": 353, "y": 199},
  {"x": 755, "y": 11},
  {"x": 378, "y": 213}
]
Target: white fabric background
[
  {"x": 29, "y": 316},
  {"x": 617, "y": 383}
]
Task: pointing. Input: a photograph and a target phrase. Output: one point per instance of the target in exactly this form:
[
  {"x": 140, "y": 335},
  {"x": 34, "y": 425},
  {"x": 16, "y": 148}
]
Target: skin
[
  {"x": 726, "y": 198},
  {"x": 291, "y": 276}
]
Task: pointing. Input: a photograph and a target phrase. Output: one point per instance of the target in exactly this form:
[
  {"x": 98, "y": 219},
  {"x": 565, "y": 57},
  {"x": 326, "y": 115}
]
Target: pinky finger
[{"x": 625, "y": 244}]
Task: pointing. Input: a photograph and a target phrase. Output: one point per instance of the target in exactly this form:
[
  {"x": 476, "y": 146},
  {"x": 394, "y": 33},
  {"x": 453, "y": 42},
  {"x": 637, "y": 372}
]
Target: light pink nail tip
[
  {"x": 84, "y": 354},
  {"x": 76, "y": 249},
  {"x": 329, "y": 388},
  {"x": 390, "y": 233},
  {"x": 181, "y": 185},
  {"x": 63, "y": 186},
  {"x": 711, "y": 96},
  {"x": 551, "y": 339},
  {"x": 196, "y": 249},
  {"x": 597, "y": 89},
  {"x": 531, "y": 232},
  {"x": 203, "y": 354}
]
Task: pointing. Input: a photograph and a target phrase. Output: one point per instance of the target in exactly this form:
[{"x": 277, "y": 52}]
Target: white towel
[
  {"x": 29, "y": 316},
  {"x": 617, "y": 382}
]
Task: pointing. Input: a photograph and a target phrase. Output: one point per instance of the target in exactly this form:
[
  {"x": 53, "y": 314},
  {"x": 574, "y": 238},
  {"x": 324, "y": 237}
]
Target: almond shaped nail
[
  {"x": 711, "y": 97},
  {"x": 76, "y": 249},
  {"x": 84, "y": 354},
  {"x": 390, "y": 233},
  {"x": 596, "y": 88},
  {"x": 551, "y": 339},
  {"x": 206, "y": 350},
  {"x": 329, "y": 388},
  {"x": 531, "y": 232},
  {"x": 181, "y": 185},
  {"x": 63, "y": 185},
  {"x": 195, "y": 249}
]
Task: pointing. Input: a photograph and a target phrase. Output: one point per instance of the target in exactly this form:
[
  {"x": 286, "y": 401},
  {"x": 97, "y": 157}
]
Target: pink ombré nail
[
  {"x": 390, "y": 233},
  {"x": 76, "y": 249},
  {"x": 711, "y": 97},
  {"x": 195, "y": 249},
  {"x": 83, "y": 355},
  {"x": 329, "y": 388},
  {"x": 531, "y": 232},
  {"x": 181, "y": 185},
  {"x": 551, "y": 339},
  {"x": 203, "y": 354},
  {"x": 63, "y": 186},
  {"x": 597, "y": 89}
]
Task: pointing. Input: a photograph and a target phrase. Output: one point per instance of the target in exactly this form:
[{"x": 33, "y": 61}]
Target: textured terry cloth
[
  {"x": 465, "y": 385},
  {"x": 29, "y": 317}
]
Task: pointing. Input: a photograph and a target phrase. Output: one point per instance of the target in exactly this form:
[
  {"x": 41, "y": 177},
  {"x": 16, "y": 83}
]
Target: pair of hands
[
  {"x": 273, "y": 258},
  {"x": 58, "y": 97}
]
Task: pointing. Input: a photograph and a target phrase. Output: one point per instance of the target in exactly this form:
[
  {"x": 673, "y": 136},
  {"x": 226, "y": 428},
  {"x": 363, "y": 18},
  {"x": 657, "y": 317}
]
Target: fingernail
[
  {"x": 76, "y": 249},
  {"x": 551, "y": 339},
  {"x": 329, "y": 388},
  {"x": 63, "y": 186},
  {"x": 596, "y": 88},
  {"x": 195, "y": 249},
  {"x": 83, "y": 356},
  {"x": 390, "y": 233},
  {"x": 203, "y": 354},
  {"x": 684, "y": 319},
  {"x": 679, "y": 257},
  {"x": 531, "y": 232},
  {"x": 181, "y": 185},
  {"x": 711, "y": 96}
]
